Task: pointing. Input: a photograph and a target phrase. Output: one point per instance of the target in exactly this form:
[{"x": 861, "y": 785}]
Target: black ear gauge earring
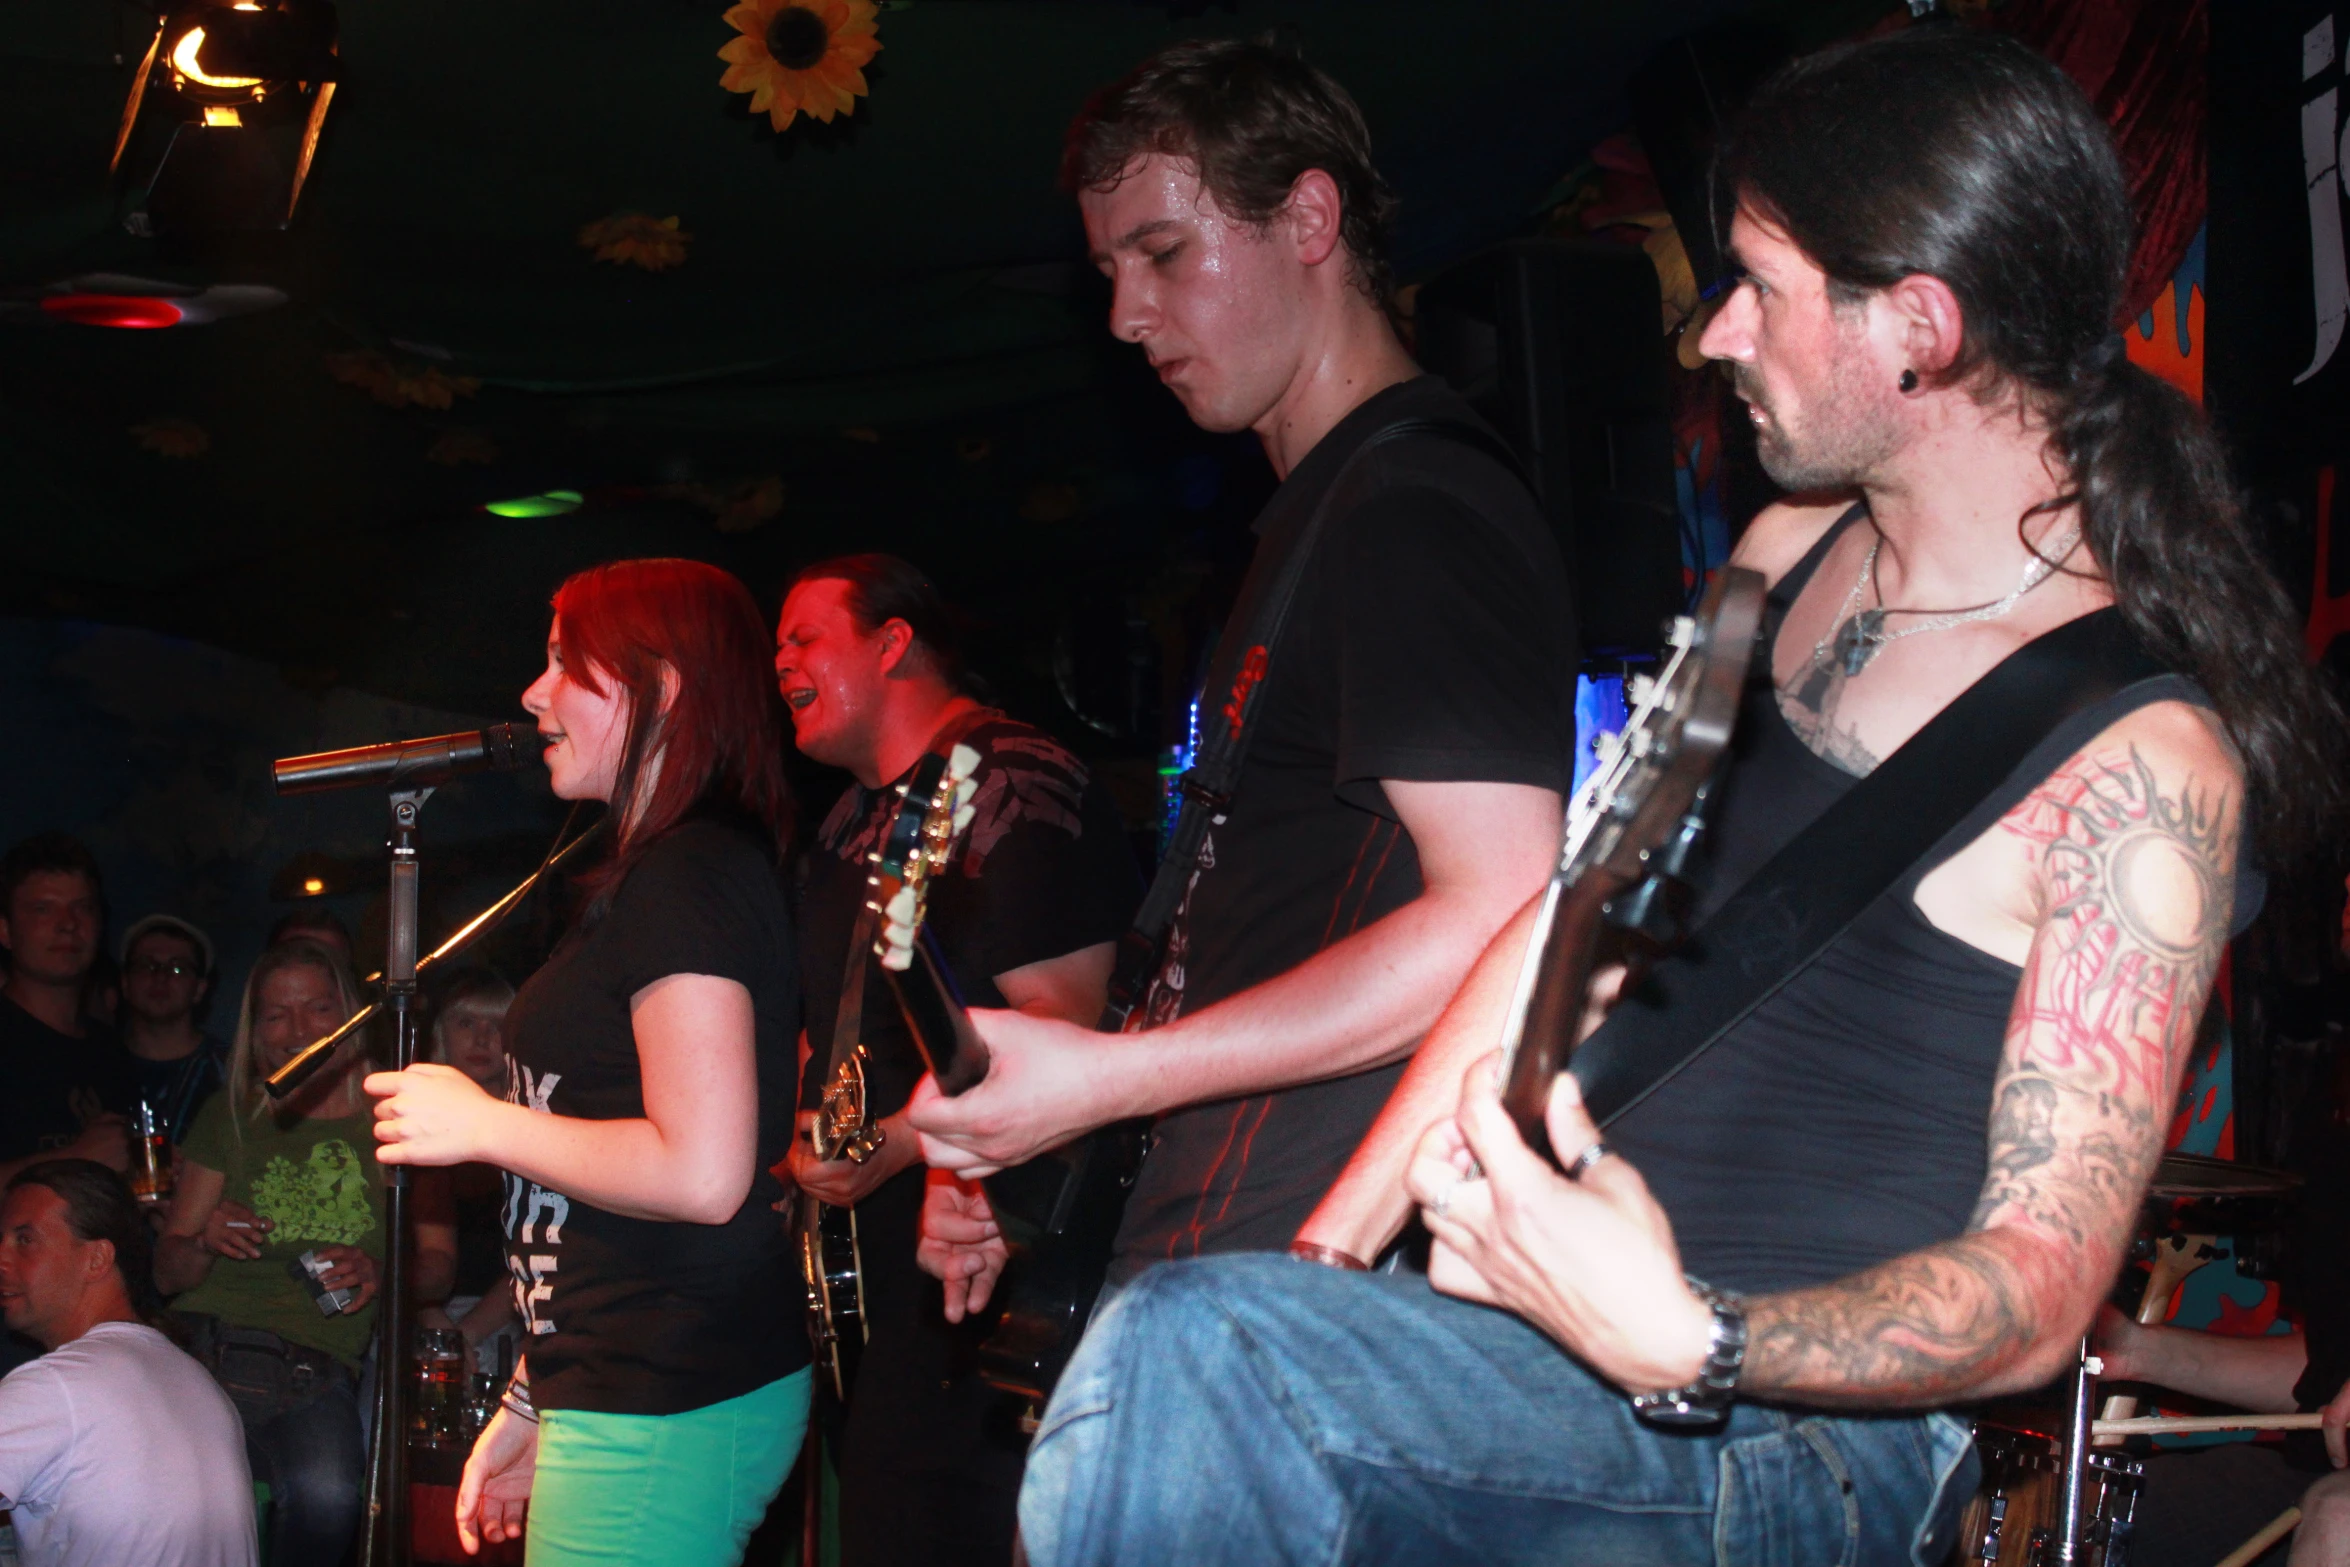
[{"x": 1909, "y": 380}]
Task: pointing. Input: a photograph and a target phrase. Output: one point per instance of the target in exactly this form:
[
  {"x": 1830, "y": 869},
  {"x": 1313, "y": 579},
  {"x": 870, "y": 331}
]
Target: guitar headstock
[
  {"x": 1680, "y": 721},
  {"x": 935, "y": 808}
]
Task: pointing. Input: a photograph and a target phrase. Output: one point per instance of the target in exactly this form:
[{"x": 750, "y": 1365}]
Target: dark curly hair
[
  {"x": 1252, "y": 117},
  {"x": 1964, "y": 156}
]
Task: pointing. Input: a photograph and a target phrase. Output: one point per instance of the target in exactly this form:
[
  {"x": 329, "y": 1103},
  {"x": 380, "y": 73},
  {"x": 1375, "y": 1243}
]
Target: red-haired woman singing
[{"x": 664, "y": 1387}]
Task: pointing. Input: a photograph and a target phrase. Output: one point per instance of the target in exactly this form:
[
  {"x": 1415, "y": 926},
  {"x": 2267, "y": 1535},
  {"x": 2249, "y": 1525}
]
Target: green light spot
[{"x": 552, "y": 503}]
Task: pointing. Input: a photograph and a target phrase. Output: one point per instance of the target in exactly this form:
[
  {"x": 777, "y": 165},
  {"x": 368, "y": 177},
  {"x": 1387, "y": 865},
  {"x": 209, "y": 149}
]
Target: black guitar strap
[
  {"x": 1796, "y": 906},
  {"x": 848, "y": 1021},
  {"x": 1238, "y": 669}
]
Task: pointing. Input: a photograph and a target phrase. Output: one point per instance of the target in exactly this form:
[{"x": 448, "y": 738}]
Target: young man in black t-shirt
[
  {"x": 1041, "y": 885},
  {"x": 68, "y": 1081},
  {"x": 1402, "y": 793}
]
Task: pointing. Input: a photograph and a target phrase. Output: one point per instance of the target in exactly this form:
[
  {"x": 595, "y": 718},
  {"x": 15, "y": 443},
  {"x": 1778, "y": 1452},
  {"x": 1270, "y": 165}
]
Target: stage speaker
[{"x": 1559, "y": 344}]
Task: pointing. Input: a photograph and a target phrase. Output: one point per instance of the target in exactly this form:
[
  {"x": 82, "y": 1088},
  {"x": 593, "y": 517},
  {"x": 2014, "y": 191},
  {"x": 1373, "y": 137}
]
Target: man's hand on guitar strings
[
  {"x": 1591, "y": 1263},
  {"x": 844, "y": 1183},
  {"x": 961, "y": 1246},
  {"x": 1045, "y": 1084}
]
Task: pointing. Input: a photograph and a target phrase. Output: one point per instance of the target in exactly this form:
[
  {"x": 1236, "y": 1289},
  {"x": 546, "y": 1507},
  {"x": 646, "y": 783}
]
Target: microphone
[{"x": 406, "y": 763}]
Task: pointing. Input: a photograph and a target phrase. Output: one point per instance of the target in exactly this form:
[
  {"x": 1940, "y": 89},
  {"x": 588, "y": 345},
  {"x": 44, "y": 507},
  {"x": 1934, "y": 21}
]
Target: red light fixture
[{"x": 115, "y": 310}]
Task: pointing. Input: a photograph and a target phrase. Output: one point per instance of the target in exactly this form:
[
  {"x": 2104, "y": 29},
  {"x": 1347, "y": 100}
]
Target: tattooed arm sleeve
[{"x": 2132, "y": 852}]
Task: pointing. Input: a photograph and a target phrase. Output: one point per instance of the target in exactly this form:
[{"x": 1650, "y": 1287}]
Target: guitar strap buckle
[{"x": 1213, "y": 801}]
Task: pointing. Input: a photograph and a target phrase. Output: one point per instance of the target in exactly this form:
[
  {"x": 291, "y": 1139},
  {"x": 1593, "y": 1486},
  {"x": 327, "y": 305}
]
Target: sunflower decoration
[
  {"x": 172, "y": 437},
  {"x": 800, "y": 56},
  {"x": 637, "y": 240}
]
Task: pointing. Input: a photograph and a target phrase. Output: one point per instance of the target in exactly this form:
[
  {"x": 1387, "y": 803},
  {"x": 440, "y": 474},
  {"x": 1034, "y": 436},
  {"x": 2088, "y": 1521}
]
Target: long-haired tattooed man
[{"x": 1908, "y": 1177}]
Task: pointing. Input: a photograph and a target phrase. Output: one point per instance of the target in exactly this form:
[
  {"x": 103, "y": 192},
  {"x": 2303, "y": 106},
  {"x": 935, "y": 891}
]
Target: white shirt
[{"x": 117, "y": 1449}]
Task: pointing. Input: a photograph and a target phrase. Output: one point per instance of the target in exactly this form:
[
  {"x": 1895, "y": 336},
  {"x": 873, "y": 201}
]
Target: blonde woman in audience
[{"x": 267, "y": 1192}]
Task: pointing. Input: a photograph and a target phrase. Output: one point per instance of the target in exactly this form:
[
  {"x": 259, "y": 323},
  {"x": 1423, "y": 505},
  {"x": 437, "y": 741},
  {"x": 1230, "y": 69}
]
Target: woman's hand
[
  {"x": 432, "y": 1114},
  {"x": 349, "y": 1268},
  {"x": 234, "y": 1230},
  {"x": 494, "y": 1496}
]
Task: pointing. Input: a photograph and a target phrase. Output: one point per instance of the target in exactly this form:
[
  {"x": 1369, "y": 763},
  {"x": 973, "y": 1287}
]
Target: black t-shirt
[
  {"x": 641, "y": 1316},
  {"x": 50, "y": 1083},
  {"x": 178, "y": 1088},
  {"x": 1432, "y": 639},
  {"x": 1042, "y": 871}
]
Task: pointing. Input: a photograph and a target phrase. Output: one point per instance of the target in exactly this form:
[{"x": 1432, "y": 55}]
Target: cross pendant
[{"x": 1858, "y": 639}]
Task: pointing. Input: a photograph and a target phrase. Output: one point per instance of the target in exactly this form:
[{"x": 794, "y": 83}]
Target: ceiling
[{"x": 887, "y": 319}]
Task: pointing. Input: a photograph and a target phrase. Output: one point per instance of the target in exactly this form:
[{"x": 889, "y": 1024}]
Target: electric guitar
[
  {"x": 935, "y": 808},
  {"x": 1628, "y": 832}
]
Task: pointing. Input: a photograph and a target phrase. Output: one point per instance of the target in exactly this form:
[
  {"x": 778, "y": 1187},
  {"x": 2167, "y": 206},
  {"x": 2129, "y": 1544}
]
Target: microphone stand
[
  {"x": 387, "y": 1468},
  {"x": 385, "y": 1543}
]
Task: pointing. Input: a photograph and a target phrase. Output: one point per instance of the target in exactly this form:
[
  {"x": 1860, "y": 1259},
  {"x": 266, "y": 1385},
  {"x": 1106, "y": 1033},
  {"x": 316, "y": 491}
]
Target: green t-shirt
[{"x": 317, "y": 1181}]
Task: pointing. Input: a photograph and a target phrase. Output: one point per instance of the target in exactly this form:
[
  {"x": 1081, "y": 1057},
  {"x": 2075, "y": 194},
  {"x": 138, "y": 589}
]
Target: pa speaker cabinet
[{"x": 1559, "y": 343}]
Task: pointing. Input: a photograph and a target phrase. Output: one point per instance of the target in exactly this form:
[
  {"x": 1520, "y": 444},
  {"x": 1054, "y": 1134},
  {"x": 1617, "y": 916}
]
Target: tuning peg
[
  {"x": 1639, "y": 688},
  {"x": 1681, "y": 632}
]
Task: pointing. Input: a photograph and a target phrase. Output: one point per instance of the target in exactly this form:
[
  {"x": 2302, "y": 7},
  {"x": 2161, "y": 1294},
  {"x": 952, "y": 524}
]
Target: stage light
[
  {"x": 124, "y": 301},
  {"x": 238, "y": 78},
  {"x": 548, "y": 503},
  {"x": 187, "y": 62},
  {"x": 116, "y": 310},
  {"x": 313, "y": 873}
]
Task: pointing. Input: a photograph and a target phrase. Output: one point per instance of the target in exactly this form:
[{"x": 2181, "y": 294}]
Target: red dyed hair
[{"x": 721, "y": 741}]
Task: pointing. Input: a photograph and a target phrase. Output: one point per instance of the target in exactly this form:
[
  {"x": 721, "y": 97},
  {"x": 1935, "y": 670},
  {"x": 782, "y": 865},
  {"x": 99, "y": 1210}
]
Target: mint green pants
[{"x": 663, "y": 1490}]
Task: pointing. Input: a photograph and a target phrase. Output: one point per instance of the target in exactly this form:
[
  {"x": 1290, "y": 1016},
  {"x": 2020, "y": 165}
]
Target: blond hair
[{"x": 244, "y": 1088}]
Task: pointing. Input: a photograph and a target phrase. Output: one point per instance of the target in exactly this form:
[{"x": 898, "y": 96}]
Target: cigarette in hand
[{"x": 236, "y": 1224}]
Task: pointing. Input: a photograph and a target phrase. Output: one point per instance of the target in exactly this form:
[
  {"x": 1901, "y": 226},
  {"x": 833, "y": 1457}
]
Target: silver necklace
[{"x": 1859, "y": 633}]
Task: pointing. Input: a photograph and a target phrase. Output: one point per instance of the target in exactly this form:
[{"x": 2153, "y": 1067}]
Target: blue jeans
[{"x": 1256, "y": 1410}]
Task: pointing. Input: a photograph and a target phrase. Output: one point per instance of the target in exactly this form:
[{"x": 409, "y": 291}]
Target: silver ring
[
  {"x": 1586, "y": 1159},
  {"x": 1443, "y": 1203}
]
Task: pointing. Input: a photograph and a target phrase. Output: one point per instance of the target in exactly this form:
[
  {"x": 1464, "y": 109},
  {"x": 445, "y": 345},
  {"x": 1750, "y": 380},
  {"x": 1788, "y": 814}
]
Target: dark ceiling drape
[{"x": 2143, "y": 62}]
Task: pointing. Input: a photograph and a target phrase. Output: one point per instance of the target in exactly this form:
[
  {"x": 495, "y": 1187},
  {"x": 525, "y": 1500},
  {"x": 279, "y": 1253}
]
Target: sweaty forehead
[
  {"x": 1158, "y": 191},
  {"x": 820, "y": 601}
]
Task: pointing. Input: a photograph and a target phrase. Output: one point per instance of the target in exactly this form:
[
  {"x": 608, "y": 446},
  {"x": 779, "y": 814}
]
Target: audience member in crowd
[
  {"x": 167, "y": 969},
  {"x": 467, "y": 1033},
  {"x": 67, "y": 1083},
  {"x": 263, "y": 1185},
  {"x": 318, "y": 923},
  {"x": 115, "y": 1448}
]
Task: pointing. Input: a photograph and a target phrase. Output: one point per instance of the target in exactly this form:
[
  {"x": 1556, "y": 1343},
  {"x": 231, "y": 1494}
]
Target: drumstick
[
  {"x": 2175, "y": 1256},
  {"x": 2161, "y": 1425},
  {"x": 2277, "y": 1528}
]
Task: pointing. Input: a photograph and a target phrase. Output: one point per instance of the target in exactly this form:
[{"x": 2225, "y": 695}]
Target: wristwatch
[{"x": 1706, "y": 1401}]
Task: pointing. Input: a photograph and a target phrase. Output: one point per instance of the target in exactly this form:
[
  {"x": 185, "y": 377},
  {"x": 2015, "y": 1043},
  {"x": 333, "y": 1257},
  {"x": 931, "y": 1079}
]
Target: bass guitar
[
  {"x": 934, "y": 808},
  {"x": 1629, "y": 832}
]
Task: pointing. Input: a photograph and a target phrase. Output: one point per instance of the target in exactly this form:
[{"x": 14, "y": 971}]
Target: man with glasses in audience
[{"x": 167, "y": 967}]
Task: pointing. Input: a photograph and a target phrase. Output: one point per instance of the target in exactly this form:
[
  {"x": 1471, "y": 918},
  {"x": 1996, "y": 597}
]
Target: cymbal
[{"x": 2189, "y": 1175}]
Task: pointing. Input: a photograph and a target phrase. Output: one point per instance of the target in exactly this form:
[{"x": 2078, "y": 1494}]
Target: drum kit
[{"x": 2057, "y": 1490}]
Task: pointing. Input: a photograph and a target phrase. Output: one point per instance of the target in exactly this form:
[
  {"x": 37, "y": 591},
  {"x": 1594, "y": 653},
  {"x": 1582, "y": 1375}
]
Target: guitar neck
[{"x": 935, "y": 1015}]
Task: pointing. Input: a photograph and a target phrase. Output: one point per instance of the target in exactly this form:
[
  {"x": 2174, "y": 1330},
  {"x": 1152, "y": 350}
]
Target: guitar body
[
  {"x": 1048, "y": 1292},
  {"x": 831, "y": 1269},
  {"x": 833, "y": 1272}
]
